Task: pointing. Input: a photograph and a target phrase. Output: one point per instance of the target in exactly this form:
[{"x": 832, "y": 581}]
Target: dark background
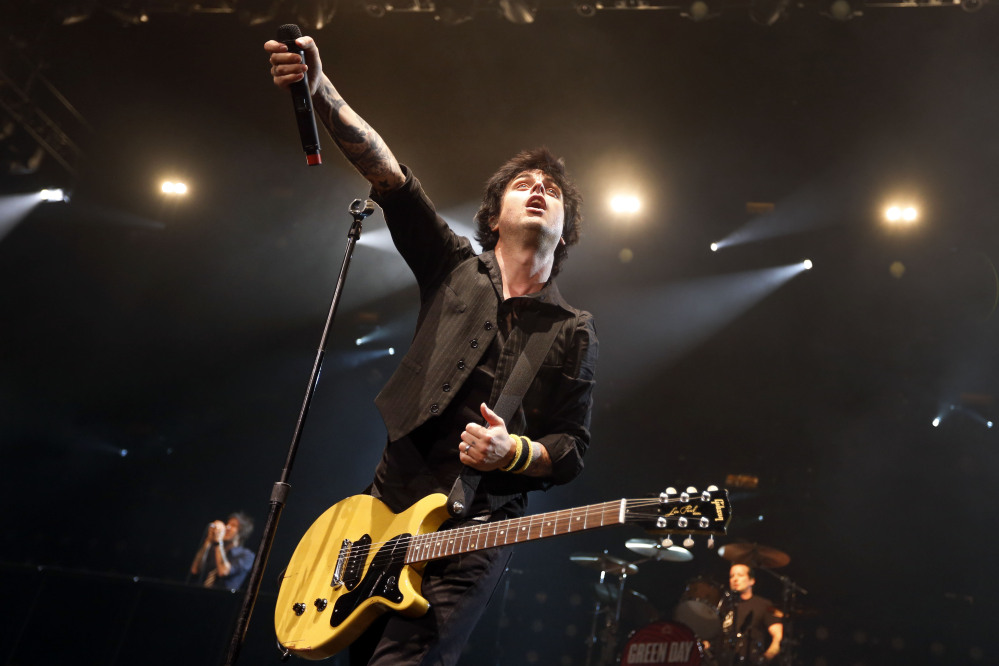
[{"x": 183, "y": 331}]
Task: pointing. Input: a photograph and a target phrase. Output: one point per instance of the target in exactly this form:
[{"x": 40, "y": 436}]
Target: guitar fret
[{"x": 480, "y": 536}]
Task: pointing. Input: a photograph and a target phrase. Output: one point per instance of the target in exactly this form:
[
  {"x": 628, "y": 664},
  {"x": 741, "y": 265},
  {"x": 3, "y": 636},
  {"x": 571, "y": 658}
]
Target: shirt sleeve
[
  {"x": 425, "y": 241},
  {"x": 241, "y": 562},
  {"x": 568, "y": 425}
]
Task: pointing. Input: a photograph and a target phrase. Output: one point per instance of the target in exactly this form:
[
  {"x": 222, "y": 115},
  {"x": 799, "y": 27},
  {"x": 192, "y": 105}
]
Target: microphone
[{"x": 302, "y": 101}]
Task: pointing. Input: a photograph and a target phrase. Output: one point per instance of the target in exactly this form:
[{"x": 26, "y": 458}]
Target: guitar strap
[{"x": 459, "y": 500}]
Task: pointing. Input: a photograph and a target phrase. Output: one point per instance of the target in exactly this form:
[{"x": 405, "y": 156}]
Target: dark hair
[
  {"x": 245, "y": 525},
  {"x": 538, "y": 159}
]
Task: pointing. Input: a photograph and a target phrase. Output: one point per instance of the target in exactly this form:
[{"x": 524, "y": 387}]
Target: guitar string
[{"x": 436, "y": 540}]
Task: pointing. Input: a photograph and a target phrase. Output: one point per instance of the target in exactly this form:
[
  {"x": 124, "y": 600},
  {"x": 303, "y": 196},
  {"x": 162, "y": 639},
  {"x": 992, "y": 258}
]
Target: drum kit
[{"x": 697, "y": 617}]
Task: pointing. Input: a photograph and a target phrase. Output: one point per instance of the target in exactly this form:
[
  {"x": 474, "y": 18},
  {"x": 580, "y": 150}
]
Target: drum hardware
[
  {"x": 608, "y": 605},
  {"x": 651, "y": 549},
  {"x": 605, "y": 564},
  {"x": 754, "y": 555}
]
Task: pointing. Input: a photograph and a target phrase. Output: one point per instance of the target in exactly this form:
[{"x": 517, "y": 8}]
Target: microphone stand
[
  {"x": 790, "y": 590},
  {"x": 279, "y": 492}
]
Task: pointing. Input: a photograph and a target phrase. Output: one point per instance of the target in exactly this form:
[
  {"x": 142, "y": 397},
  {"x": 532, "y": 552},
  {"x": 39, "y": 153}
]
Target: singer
[
  {"x": 478, "y": 314},
  {"x": 222, "y": 562}
]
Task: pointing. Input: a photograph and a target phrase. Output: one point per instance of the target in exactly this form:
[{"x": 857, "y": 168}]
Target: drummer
[{"x": 751, "y": 622}]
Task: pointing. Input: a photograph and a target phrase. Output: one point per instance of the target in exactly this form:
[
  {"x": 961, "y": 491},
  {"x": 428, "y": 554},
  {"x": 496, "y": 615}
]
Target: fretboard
[{"x": 465, "y": 539}]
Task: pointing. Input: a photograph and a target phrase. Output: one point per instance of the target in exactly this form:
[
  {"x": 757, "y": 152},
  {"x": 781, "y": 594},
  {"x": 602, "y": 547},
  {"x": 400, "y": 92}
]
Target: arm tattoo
[{"x": 362, "y": 145}]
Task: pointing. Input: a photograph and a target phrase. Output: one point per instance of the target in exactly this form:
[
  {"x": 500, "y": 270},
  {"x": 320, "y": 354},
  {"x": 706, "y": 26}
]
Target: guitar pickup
[{"x": 341, "y": 561}]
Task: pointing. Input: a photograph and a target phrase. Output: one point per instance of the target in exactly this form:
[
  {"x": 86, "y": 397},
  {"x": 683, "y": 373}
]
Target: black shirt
[{"x": 555, "y": 411}]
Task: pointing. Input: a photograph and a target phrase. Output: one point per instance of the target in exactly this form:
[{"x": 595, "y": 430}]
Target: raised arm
[{"x": 359, "y": 143}]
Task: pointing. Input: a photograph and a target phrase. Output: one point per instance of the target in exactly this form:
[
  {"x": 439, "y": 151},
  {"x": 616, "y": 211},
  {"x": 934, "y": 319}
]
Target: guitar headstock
[{"x": 678, "y": 513}]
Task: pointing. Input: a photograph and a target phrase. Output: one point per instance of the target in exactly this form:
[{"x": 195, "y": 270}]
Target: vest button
[
  {"x": 434, "y": 408},
  {"x": 489, "y": 326},
  {"x": 446, "y": 388},
  {"x": 474, "y": 344},
  {"x": 461, "y": 364}
]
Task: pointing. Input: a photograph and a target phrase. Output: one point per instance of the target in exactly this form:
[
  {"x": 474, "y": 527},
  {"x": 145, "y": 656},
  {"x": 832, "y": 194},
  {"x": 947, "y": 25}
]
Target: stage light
[
  {"x": 988, "y": 424},
  {"x": 936, "y": 422},
  {"x": 901, "y": 214},
  {"x": 391, "y": 351},
  {"x": 53, "y": 195},
  {"x": 843, "y": 10},
  {"x": 768, "y": 12},
  {"x": 517, "y": 11},
  {"x": 625, "y": 204},
  {"x": 807, "y": 264},
  {"x": 124, "y": 452},
  {"x": 172, "y": 188},
  {"x": 701, "y": 10},
  {"x": 316, "y": 13},
  {"x": 714, "y": 247}
]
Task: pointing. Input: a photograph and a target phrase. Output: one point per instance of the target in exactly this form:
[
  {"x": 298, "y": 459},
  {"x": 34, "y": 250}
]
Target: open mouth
[{"x": 537, "y": 202}]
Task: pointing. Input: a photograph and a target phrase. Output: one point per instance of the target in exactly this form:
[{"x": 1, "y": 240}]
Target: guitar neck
[{"x": 474, "y": 537}]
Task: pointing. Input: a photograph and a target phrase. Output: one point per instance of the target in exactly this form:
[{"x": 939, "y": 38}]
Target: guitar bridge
[{"x": 341, "y": 560}]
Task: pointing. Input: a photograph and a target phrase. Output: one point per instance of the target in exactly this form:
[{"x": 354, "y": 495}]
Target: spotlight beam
[{"x": 683, "y": 316}]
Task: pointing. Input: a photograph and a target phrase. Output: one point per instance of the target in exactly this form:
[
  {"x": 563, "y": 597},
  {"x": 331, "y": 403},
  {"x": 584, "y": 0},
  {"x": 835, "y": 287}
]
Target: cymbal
[
  {"x": 605, "y": 562},
  {"x": 653, "y": 550},
  {"x": 754, "y": 555}
]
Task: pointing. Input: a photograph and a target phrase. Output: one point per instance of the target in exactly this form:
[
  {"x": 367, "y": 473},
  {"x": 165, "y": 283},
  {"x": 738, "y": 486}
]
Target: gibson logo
[
  {"x": 685, "y": 510},
  {"x": 719, "y": 508}
]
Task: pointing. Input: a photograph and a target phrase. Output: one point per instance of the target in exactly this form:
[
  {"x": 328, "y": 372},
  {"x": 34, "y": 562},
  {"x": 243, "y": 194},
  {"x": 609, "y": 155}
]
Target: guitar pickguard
[{"x": 380, "y": 580}]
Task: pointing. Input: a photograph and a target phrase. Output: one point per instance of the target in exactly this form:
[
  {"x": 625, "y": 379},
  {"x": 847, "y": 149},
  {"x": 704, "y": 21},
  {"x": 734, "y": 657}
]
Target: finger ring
[{"x": 467, "y": 447}]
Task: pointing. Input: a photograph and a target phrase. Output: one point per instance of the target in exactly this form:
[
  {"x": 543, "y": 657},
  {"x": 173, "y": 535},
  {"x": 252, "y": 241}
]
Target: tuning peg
[
  {"x": 711, "y": 541},
  {"x": 692, "y": 490},
  {"x": 688, "y": 542},
  {"x": 666, "y": 542},
  {"x": 661, "y": 522},
  {"x": 703, "y": 522},
  {"x": 681, "y": 521},
  {"x": 712, "y": 488},
  {"x": 684, "y": 497},
  {"x": 670, "y": 491}
]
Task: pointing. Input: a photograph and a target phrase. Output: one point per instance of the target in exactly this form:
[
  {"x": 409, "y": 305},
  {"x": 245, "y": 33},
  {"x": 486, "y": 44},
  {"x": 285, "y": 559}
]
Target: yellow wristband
[
  {"x": 516, "y": 455},
  {"x": 532, "y": 452}
]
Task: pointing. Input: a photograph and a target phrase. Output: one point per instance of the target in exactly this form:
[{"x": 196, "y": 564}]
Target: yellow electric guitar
[{"x": 360, "y": 559}]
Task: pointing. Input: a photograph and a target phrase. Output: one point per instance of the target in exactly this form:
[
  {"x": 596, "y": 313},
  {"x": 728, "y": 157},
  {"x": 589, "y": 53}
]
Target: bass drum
[
  {"x": 699, "y": 608},
  {"x": 662, "y": 643}
]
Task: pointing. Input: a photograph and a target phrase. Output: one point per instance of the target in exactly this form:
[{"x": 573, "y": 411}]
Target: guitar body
[
  {"x": 360, "y": 559},
  {"x": 348, "y": 569}
]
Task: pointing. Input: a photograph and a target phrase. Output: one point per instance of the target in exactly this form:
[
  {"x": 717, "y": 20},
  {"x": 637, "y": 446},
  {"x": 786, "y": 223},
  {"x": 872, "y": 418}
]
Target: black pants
[{"x": 458, "y": 589}]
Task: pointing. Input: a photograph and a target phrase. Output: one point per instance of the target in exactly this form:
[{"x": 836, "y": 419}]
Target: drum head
[
  {"x": 699, "y": 608},
  {"x": 662, "y": 643}
]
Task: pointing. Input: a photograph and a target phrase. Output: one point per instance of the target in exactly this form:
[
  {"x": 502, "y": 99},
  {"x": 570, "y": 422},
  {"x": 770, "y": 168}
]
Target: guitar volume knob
[
  {"x": 299, "y": 608},
  {"x": 320, "y": 604}
]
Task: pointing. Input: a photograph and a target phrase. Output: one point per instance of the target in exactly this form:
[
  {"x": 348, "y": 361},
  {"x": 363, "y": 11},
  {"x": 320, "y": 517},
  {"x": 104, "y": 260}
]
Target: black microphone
[{"x": 287, "y": 34}]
